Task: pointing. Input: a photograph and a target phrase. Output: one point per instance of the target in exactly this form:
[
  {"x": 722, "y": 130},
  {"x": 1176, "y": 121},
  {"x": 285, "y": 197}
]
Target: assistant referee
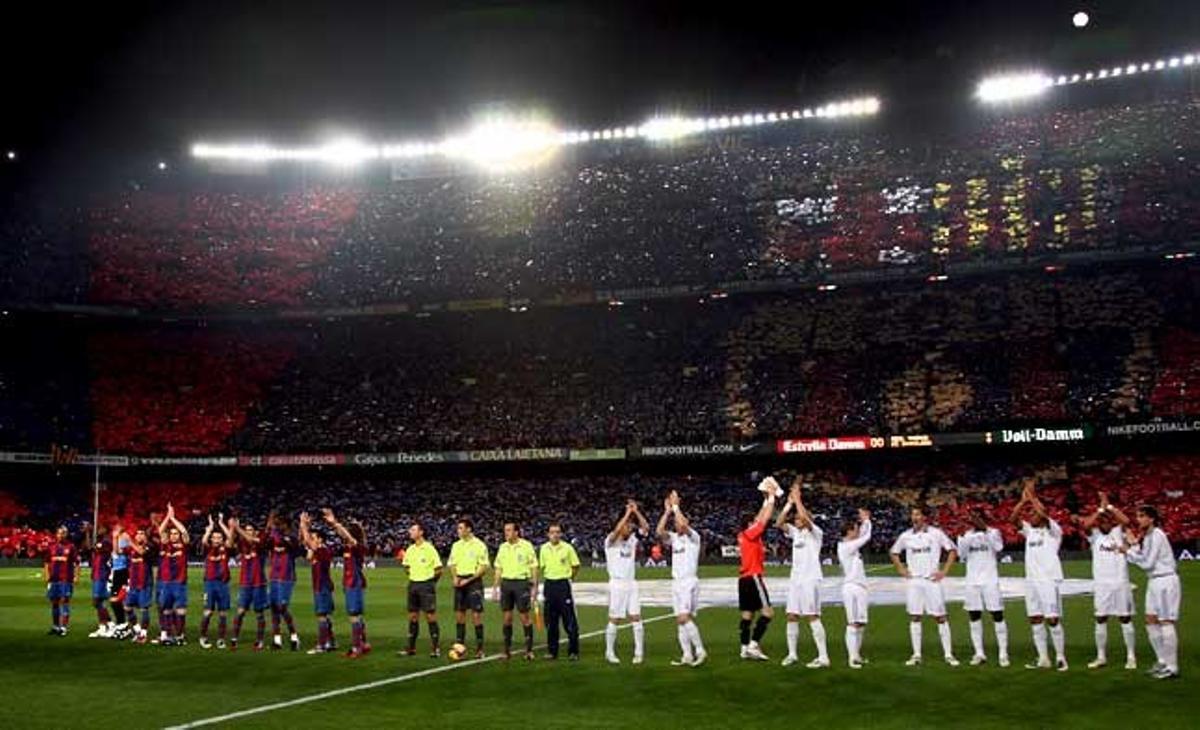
[
  {"x": 515, "y": 584},
  {"x": 559, "y": 563},
  {"x": 468, "y": 563}
]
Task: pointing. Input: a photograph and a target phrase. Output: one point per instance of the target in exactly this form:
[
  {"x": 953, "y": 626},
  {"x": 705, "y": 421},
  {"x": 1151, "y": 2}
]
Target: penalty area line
[{"x": 330, "y": 694}]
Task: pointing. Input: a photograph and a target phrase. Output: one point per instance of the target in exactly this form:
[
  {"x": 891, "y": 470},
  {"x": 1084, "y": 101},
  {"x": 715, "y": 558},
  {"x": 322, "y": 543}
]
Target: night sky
[{"x": 131, "y": 80}]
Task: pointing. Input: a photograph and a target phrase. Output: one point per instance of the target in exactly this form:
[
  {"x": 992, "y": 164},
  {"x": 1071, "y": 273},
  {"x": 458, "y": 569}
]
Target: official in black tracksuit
[{"x": 559, "y": 563}]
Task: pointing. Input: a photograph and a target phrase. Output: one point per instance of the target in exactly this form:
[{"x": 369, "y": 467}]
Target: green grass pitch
[{"x": 55, "y": 683}]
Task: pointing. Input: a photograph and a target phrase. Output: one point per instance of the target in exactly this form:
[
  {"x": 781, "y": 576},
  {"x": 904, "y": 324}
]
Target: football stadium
[{"x": 535, "y": 364}]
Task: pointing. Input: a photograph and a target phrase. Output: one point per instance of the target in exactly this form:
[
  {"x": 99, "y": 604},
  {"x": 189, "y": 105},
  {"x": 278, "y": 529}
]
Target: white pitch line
[{"x": 370, "y": 685}]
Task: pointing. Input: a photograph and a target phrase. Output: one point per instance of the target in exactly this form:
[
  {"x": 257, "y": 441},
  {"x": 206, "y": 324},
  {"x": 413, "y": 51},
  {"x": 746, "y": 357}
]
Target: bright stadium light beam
[
  {"x": 1013, "y": 87},
  {"x": 661, "y": 129},
  {"x": 502, "y": 144}
]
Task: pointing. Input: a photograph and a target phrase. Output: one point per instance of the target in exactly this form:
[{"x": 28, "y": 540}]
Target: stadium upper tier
[
  {"x": 785, "y": 203},
  {"x": 1034, "y": 348}
]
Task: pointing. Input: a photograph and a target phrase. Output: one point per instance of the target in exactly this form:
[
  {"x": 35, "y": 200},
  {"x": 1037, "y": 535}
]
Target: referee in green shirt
[
  {"x": 468, "y": 563},
  {"x": 560, "y": 564},
  {"x": 515, "y": 584},
  {"x": 424, "y": 567}
]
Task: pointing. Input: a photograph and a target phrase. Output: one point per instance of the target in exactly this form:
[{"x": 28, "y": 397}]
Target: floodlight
[{"x": 1012, "y": 87}]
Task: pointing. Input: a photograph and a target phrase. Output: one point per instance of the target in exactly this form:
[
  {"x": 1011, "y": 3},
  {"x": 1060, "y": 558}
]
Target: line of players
[
  {"x": 1115, "y": 540},
  {"x": 267, "y": 577}
]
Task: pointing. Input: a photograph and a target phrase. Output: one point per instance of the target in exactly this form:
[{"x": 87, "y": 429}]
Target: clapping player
[
  {"x": 321, "y": 559},
  {"x": 252, "y": 581},
  {"x": 684, "y": 543},
  {"x": 753, "y": 599},
  {"x": 216, "y": 580},
  {"x": 1043, "y": 576},
  {"x": 979, "y": 547},
  {"x": 804, "y": 584},
  {"x": 624, "y": 603},
  {"x": 172, "y": 579},
  {"x": 1111, "y": 593},
  {"x": 856, "y": 534},
  {"x": 354, "y": 580}
]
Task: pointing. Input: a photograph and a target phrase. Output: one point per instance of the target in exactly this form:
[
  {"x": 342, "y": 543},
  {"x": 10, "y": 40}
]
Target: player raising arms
[
  {"x": 855, "y": 536},
  {"x": 624, "y": 602},
  {"x": 468, "y": 563},
  {"x": 804, "y": 585},
  {"x": 1112, "y": 594},
  {"x": 59, "y": 566},
  {"x": 514, "y": 583},
  {"x": 752, "y": 591},
  {"x": 172, "y": 580},
  {"x": 424, "y": 568},
  {"x": 282, "y": 579},
  {"x": 1043, "y": 576},
  {"x": 216, "y": 580},
  {"x": 321, "y": 559},
  {"x": 684, "y": 543},
  {"x": 354, "y": 580},
  {"x": 978, "y": 548},
  {"x": 923, "y": 545},
  {"x": 101, "y": 567},
  {"x": 140, "y": 595},
  {"x": 1153, "y": 554},
  {"x": 252, "y": 582}
]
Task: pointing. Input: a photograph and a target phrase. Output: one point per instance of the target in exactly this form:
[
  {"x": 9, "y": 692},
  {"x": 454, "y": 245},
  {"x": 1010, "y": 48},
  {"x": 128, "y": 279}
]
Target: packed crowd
[
  {"x": 589, "y": 506},
  {"x": 191, "y": 250},
  {"x": 1095, "y": 346},
  {"x": 773, "y": 202}
]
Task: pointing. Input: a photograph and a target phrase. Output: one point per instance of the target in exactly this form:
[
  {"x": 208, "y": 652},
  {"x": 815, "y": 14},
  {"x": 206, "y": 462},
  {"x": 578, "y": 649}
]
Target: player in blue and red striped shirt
[
  {"x": 216, "y": 580},
  {"x": 60, "y": 565},
  {"x": 282, "y": 576},
  {"x": 252, "y": 581},
  {"x": 354, "y": 581},
  {"x": 172, "y": 580},
  {"x": 321, "y": 559},
  {"x": 101, "y": 569},
  {"x": 140, "y": 594}
]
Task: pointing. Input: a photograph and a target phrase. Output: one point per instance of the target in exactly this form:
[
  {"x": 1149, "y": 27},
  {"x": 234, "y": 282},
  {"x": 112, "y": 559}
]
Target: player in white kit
[
  {"x": 1043, "y": 577},
  {"x": 624, "y": 604},
  {"x": 684, "y": 543},
  {"x": 1112, "y": 594},
  {"x": 978, "y": 548},
  {"x": 855, "y": 536},
  {"x": 1153, "y": 554},
  {"x": 923, "y": 545},
  {"x": 804, "y": 585}
]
